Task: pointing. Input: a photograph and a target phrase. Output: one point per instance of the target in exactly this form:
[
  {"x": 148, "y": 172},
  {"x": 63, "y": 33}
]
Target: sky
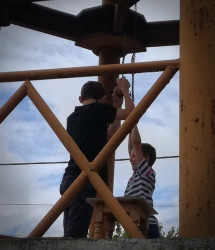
[{"x": 27, "y": 192}]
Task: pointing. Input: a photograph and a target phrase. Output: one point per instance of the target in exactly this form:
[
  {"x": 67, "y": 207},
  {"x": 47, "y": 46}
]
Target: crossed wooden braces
[{"x": 89, "y": 169}]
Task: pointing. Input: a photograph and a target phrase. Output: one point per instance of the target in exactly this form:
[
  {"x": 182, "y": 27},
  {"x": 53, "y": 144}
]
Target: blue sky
[{"x": 26, "y": 137}]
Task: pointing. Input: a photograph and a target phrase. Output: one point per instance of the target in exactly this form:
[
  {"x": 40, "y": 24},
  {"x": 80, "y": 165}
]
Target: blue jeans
[
  {"x": 153, "y": 232},
  {"x": 77, "y": 215}
]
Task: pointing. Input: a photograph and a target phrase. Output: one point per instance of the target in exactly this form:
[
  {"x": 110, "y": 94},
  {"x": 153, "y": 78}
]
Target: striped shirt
[{"x": 142, "y": 184}]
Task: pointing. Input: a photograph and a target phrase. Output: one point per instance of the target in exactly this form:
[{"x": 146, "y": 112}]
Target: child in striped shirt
[{"x": 142, "y": 182}]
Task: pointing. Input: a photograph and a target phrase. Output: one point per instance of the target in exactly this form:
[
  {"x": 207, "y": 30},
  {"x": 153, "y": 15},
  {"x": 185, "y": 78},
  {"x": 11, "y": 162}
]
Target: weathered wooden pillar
[
  {"x": 109, "y": 48},
  {"x": 197, "y": 118},
  {"x": 109, "y": 55}
]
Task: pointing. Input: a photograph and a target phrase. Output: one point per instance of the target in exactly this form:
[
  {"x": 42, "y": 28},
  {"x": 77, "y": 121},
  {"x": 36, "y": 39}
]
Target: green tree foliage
[
  {"x": 120, "y": 232},
  {"x": 172, "y": 233}
]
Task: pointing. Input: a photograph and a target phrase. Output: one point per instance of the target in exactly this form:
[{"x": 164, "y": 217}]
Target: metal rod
[{"x": 126, "y": 68}]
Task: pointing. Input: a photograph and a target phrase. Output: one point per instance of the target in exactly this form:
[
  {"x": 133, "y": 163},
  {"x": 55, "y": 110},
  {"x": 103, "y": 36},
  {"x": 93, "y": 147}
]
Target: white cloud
[
  {"x": 71, "y": 6},
  {"x": 155, "y": 10}
]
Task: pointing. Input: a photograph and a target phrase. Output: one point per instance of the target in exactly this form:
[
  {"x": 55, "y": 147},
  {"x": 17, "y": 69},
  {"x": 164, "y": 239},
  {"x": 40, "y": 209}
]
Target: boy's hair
[
  {"x": 92, "y": 90},
  {"x": 150, "y": 150}
]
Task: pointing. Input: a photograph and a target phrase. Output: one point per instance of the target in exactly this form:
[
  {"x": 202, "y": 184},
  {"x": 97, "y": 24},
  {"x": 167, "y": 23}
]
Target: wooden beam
[
  {"x": 126, "y": 68},
  {"x": 10, "y": 105},
  {"x": 90, "y": 169}
]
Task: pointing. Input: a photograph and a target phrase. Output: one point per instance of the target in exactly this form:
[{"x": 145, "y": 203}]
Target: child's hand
[
  {"x": 118, "y": 92},
  {"x": 117, "y": 97},
  {"x": 123, "y": 85}
]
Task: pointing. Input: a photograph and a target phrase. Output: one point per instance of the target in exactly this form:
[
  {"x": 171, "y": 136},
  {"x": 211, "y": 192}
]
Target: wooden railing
[{"x": 89, "y": 169}]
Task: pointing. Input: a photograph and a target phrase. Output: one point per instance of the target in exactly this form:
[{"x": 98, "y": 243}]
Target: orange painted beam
[
  {"x": 197, "y": 119},
  {"x": 126, "y": 68},
  {"x": 10, "y": 105},
  {"x": 83, "y": 163},
  {"x": 90, "y": 169}
]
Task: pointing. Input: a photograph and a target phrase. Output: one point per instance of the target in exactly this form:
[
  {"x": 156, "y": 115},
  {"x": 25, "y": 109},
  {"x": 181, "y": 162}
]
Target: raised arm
[
  {"x": 123, "y": 86},
  {"x": 118, "y": 100},
  {"x": 134, "y": 142}
]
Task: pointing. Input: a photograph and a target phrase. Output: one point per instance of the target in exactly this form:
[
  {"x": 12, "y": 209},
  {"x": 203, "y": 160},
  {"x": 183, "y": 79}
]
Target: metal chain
[
  {"x": 132, "y": 83},
  {"x": 134, "y": 54},
  {"x": 126, "y": 25}
]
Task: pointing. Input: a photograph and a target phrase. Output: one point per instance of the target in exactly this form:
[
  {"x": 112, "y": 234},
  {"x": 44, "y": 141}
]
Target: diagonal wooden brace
[
  {"x": 11, "y": 104},
  {"x": 86, "y": 167},
  {"x": 83, "y": 163}
]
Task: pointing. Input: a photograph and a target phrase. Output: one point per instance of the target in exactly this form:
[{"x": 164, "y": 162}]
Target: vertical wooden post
[
  {"x": 109, "y": 55},
  {"x": 197, "y": 118}
]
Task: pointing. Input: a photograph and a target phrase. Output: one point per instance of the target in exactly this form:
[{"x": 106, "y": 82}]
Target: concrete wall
[{"x": 88, "y": 244}]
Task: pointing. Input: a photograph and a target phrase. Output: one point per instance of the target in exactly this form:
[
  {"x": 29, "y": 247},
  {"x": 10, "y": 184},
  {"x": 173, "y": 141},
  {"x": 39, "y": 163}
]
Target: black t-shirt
[{"x": 87, "y": 125}]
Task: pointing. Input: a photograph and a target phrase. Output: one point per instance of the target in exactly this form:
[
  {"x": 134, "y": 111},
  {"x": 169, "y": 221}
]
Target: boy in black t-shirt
[{"x": 87, "y": 125}]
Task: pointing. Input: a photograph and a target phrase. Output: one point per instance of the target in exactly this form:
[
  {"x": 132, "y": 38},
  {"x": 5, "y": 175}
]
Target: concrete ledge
[{"x": 89, "y": 244}]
